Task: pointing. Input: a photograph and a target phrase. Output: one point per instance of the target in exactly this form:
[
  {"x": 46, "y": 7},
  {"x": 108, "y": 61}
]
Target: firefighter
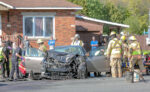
[
  {"x": 124, "y": 45},
  {"x": 114, "y": 54},
  {"x": 135, "y": 55},
  {"x": 42, "y": 47},
  {"x": 76, "y": 41}
]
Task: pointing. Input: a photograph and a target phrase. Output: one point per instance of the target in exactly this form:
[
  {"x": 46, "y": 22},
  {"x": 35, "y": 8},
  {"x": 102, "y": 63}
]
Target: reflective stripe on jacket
[
  {"x": 114, "y": 48},
  {"x": 135, "y": 49},
  {"x": 77, "y": 43}
]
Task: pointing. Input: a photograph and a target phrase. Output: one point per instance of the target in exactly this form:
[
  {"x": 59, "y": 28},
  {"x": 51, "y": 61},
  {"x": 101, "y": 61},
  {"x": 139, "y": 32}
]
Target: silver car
[{"x": 95, "y": 61}]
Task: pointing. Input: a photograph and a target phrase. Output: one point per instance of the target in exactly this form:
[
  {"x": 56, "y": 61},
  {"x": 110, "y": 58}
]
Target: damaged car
[{"x": 65, "y": 62}]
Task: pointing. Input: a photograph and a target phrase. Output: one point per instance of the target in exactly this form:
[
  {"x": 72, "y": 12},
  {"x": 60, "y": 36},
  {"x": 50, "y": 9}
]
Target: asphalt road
[{"x": 101, "y": 84}]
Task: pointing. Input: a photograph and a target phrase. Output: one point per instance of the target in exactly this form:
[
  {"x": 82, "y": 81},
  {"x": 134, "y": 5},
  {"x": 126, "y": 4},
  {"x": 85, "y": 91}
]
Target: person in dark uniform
[
  {"x": 7, "y": 50},
  {"x": 17, "y": 54}
]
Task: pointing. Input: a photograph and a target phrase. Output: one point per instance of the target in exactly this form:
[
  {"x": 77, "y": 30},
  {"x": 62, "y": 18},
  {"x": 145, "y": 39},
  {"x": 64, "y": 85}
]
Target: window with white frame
[{"x": 38, "y": 26}]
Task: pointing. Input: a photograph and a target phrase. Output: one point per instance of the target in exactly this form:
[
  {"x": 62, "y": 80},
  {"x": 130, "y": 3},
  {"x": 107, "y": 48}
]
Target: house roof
[
  {"x": 39, "y": 4},
  {"x": 102, "y": 21},
  {"x": 84, "y": 25}
]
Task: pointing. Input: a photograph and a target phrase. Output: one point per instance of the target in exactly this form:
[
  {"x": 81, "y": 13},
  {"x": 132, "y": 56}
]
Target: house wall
[{"x": 64, "y": 25}]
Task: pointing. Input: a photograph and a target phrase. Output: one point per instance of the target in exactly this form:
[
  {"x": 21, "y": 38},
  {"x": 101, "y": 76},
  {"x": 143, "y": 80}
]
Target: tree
[
  {"x": 120, "y": 11},
  {"x": 134, "y": 25}
]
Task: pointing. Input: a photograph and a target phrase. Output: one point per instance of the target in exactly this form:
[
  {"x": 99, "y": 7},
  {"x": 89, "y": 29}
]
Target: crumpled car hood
[{"x": 60, "y": 56}]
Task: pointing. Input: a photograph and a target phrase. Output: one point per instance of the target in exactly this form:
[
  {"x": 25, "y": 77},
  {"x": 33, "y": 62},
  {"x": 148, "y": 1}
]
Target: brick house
[
  {"x": 44, "y": 18},
  {"x": 39, "y": 19}
]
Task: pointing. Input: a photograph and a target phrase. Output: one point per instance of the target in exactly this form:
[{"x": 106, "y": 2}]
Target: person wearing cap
[
  {"x": 76, "y": 41},
  {"x": 114, "y": 54},
  {"x": 124, "y": 45},
  {"x": 135, "y": 55},
  {"x": 42, "y": 47}
]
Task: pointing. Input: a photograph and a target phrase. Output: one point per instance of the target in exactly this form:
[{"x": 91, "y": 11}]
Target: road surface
[{"x": 101, "y": 84}]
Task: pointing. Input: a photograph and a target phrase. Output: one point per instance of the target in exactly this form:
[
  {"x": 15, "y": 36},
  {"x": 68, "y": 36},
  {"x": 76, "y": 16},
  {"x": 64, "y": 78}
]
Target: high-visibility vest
[
  {"x": 43, "y": 48},
  {"x": 116, "y": 47},
  {"x": 135, "y": 46},
  {"x": 1, "y": 54},
  {"x": 78, "y": 43}
]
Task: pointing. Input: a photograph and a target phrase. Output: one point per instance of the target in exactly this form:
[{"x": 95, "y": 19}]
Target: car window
[
  {"x": 70, "y": 49},
  {"x": 33, "y": 52},
  {"x": 97, "y": 52}
]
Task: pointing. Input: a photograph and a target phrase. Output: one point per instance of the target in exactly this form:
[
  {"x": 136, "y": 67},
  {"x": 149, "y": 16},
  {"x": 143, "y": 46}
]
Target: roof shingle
[{"x": 40, "y": 3}]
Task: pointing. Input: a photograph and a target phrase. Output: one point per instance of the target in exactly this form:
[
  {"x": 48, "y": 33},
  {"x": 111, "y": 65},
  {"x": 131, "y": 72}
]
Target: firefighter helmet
[
  {"x": 123, "y": 38},
  {"x": 77, "y": 36},
  {"x": 112, "y": 33},
  {"x": 39, "y": 41},
  {"x": 132, "y": 38}
]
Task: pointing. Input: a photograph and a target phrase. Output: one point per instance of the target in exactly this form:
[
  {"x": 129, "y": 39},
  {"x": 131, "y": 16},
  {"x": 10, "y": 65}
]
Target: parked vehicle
[{"x": 66, "y": 62}]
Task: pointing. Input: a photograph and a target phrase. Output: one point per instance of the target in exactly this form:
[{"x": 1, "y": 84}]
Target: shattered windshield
[{"x": 70, "y": 49}]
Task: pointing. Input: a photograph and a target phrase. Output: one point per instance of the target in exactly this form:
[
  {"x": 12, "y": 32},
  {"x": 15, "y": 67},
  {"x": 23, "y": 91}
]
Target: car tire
[
  {"x": 33, "y": 76},
  {"x": 82, "y": 71}
]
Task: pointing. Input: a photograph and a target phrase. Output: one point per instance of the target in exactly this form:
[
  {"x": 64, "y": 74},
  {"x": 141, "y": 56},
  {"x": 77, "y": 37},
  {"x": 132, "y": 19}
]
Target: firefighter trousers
[
  {"x": 116, "y": 70},
  {"x": 134, "y": 61}
]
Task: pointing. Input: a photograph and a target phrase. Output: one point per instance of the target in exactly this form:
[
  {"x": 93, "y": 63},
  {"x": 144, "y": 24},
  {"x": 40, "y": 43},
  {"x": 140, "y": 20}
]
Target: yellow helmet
[
  {"x": 112, "y": 33},
  {"x": 39, "y": 41},
  {"x": 123, "y": 38},
  {"x": 132, "y": 38}
]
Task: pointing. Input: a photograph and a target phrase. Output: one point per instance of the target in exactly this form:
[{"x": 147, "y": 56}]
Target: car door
[
  {"x": 33, "y": 59},
  {"x": 97, "y": 62}
]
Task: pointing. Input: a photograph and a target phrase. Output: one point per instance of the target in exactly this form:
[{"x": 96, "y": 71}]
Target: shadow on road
[{"x": 3, "y": 85}]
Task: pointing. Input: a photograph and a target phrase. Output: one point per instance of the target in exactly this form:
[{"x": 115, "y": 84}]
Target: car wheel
[
  {"x": 82, "y": 71},
  {"x": 31, "y": 75},
  {"x": 34, "y": 76}
]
